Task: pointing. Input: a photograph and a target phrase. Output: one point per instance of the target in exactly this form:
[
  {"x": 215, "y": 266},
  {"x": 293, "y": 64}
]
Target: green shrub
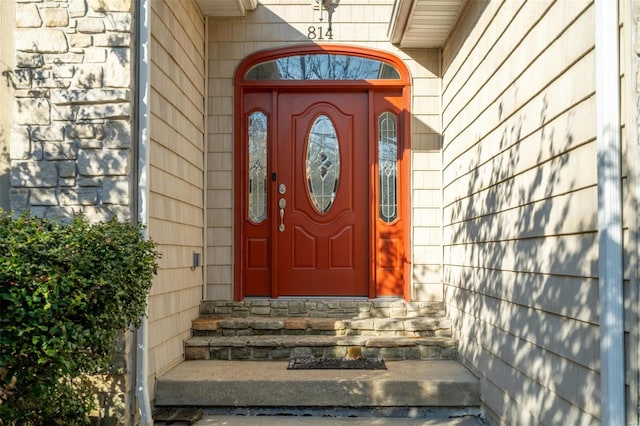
[{"x": 66, "y": 292}]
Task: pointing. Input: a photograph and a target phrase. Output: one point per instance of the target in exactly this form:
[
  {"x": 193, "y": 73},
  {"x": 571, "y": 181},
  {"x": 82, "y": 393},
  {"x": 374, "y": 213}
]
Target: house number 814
[{"x": 314, "y": 33}]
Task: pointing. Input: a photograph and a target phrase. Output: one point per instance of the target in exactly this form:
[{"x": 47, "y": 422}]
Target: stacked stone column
[{"x": 71, "y": 134}]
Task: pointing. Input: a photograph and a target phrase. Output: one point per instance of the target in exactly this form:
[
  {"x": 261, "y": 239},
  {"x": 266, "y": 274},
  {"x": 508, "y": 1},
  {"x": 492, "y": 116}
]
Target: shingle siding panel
[
  {"x": 520, "y": 209},
  {"x": 177, "y": 174}
]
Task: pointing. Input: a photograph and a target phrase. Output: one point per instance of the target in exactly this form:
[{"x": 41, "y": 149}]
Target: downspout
[
  {"x": 632, "y": 118},
  {"x": 141, "y": 189},
  {"x": 634, "y": 121},
  {"x": 609, "y": 213},
  {"x": 205, "y": 160}
]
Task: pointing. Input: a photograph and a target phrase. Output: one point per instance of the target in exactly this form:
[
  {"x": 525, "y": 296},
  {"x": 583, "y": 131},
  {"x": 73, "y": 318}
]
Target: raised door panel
[{"x": 326, "y": 217}]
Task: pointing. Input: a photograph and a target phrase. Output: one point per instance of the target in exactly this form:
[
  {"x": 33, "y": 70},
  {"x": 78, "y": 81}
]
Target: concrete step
[
  {"x": 266, "y": 347},
  {"x": 269, "y": 384},
  {"x": 449, "y": 418},
  {"x": 396, "y": 326}
]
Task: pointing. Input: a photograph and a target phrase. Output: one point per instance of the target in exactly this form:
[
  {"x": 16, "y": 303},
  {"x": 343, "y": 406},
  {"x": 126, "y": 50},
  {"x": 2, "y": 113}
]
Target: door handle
[{"x": 282, "y": 203}]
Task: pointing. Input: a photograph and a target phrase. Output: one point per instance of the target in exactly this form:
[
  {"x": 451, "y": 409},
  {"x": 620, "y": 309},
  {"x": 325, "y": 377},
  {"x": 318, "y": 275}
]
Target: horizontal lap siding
[
  {"x": 520, "y": 208},
  {"x": 176, "y": 175},
  {"x": 275, "y": 24},
  {"x": 426, "y": 195}
]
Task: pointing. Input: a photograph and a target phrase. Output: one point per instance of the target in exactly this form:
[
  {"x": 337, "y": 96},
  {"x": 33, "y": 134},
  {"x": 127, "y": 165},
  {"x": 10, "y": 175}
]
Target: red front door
[
  {"x": 321, "y": 211},
  {"x": 321, "y": 194}
]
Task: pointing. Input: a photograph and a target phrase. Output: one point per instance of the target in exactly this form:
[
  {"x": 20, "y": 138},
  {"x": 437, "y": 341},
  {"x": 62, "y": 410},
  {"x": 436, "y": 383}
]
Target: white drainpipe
[
  {"x": 609, "y": 213},
  {"x": 142, "y": 109}
]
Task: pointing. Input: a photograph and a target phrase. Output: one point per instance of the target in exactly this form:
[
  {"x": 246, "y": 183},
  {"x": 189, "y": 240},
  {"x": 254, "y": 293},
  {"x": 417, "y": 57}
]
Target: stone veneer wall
[
  {"x": 6, "y": 63},
  {"x": 71, "y": 132}
]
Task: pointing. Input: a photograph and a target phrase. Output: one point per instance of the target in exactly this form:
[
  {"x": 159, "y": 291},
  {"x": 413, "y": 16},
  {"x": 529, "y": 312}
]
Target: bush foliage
[{"x": 67, "y": 290}]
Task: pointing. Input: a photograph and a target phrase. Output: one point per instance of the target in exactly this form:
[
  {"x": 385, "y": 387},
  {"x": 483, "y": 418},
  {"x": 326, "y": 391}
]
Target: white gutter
[
  {"x": 609, "y": 213},
  {"x": 247, "y": 5},
  {"x": 399, "y": 18},
  {"x": 142, "y": 109},
  {"x": 634, "y": 86}
]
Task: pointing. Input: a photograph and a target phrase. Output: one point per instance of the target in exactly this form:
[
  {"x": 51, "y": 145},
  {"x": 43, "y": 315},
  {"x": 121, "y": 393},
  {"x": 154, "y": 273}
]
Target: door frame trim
[
  {"x": 266, "y": 55},
  {"x": 402, "y": 85}
]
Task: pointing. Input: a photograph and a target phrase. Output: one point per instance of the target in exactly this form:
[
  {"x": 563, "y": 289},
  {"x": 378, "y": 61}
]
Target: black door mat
[
  {"x": 176, "y": 415},
  {"x": 335, "y": 364}
]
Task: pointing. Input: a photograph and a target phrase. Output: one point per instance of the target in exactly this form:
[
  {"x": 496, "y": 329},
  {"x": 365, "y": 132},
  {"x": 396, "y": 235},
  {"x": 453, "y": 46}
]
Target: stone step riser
[
  {"x": 260, "y": 332},
  {"x": 322, "y": 309},
  {"x": 279, "y": 353},
  {"x": 402, "y": 327},
  {"x": 284, "y": 347},
  {"x": 282, "y": 329}
]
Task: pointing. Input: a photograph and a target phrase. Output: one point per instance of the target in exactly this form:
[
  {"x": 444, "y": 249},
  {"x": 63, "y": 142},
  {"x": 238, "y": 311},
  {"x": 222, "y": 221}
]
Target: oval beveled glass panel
[
  {"x": 257, "y": 167},
  {"x": 323, "y": 164},
  {"x": 323, "y": 66}
]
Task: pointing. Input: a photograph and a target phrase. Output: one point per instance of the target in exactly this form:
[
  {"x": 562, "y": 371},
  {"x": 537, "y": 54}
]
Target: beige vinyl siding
[
  {"x": 278, "y": 24},
  {"x": 520, "y": 207},
  {"x": 176, "y": 176},
  {"x": 426, "y": 172}
]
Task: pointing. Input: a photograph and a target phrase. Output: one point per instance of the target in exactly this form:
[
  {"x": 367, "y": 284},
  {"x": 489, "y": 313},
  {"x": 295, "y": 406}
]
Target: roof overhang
[
  {"x": 423, "y": 23},
  {"x": 226, "y": 7}
]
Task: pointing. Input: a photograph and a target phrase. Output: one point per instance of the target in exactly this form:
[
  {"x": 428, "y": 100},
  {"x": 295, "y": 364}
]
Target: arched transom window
[{"x": 323, "y": 66}]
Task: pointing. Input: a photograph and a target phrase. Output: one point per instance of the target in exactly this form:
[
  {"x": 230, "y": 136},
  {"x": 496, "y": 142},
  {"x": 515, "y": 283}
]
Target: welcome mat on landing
[{"x": 335, "y": 364}]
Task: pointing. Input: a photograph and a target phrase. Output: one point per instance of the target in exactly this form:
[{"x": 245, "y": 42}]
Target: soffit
[
  {"x": 423, "y": 23},
  {"x": 226, "y": 7}
]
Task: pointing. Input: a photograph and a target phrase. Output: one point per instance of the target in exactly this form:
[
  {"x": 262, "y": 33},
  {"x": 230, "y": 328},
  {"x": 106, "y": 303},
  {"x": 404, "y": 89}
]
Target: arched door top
[{"x": 339, "y": 64}]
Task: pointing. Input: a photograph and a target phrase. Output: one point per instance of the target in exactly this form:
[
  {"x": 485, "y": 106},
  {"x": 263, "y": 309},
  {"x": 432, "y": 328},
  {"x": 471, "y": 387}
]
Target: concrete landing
[
  {"x": 312, "y": 421},
  {"x": 441, "y": 383}
]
